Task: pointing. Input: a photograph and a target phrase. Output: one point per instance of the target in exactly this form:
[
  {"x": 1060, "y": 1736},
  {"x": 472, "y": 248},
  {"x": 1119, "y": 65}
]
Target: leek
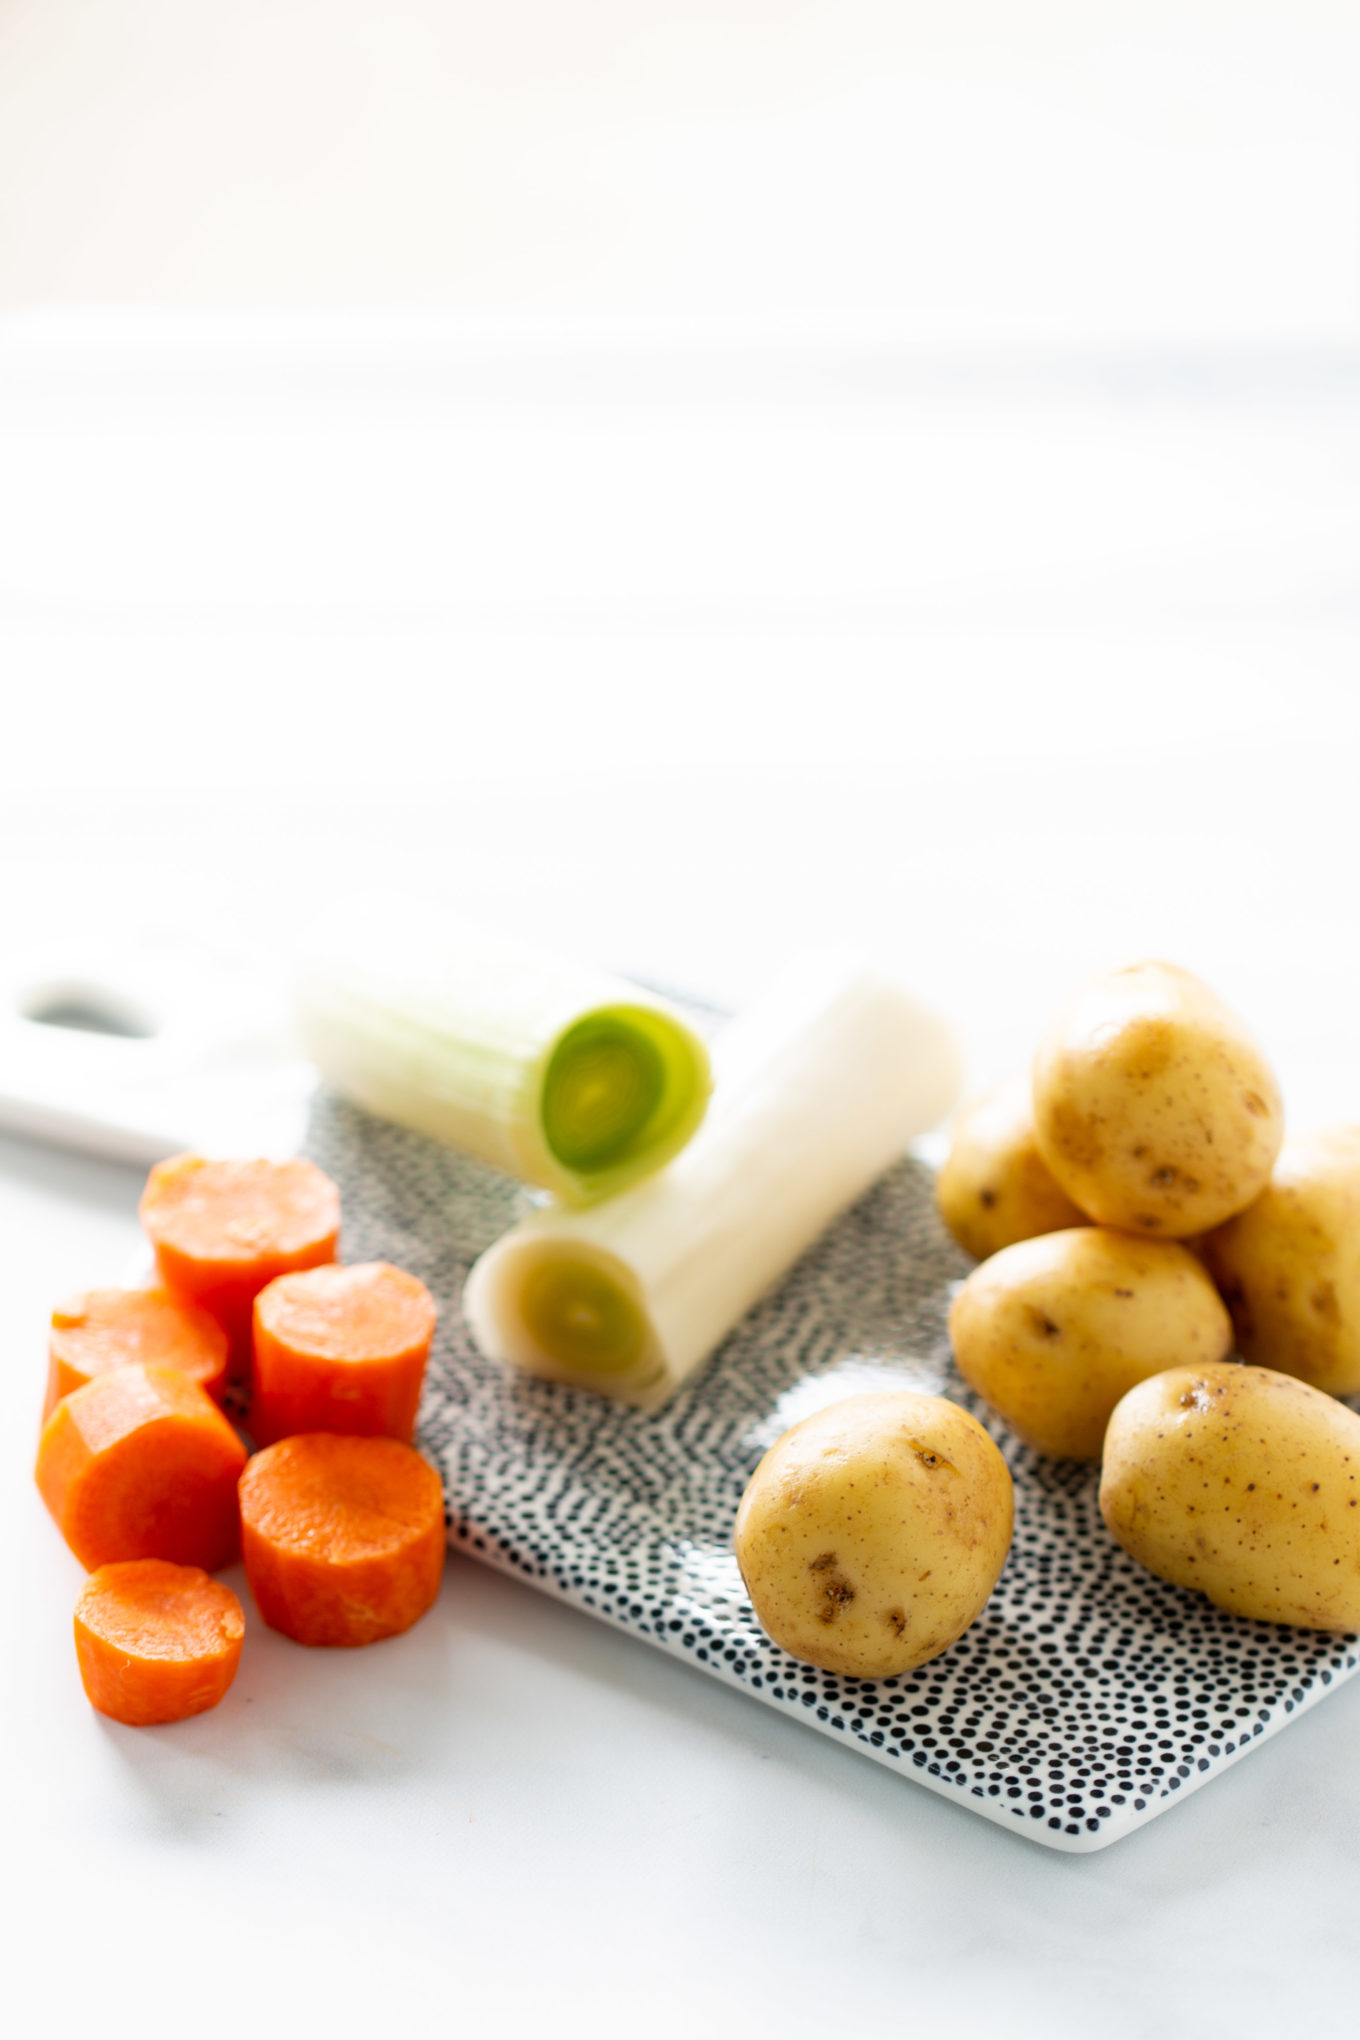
[
  {"x": 564, "y": 1077},
  {"x": 820, "y": 1086}
]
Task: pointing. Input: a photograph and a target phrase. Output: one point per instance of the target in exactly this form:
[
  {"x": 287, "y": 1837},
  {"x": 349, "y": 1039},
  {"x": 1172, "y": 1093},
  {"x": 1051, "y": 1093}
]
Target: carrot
[
  {"x": 343, "y": 1537},
  {"x": 222, "y": 1230},
  {"x": 341, "y": 1349},
  {"x": 140, "y": 1463},
  {"x": 156, "y": 1642},
  {"x": 109, "y": 1327}
]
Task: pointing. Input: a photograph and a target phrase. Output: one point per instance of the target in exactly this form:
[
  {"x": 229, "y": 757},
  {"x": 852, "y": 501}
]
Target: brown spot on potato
[
  {"x": 1073, "y": 1133},
  {"x": 1254, "y": 1104},
  {"x": 1323, "y": 1300},
  {"x": 987, "y": 1199},
  {"x": 836, "y": 1595},
  {"x": 1041, "y": 1322},
  {"x": 896, "y": 1621},
  {"x": 929, "y": 1457},
  {"x": 836, "y": 1591}
]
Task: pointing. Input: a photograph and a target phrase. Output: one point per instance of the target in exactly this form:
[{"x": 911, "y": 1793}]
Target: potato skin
[
  {"x": 872, "y": 1533},
  {"x": 1153, "y": 1106},
  {"x": 1243, "y": 1484},
  {"x": 995, "y": 1187},
  {"x": 1288, "y": 1266},
  {"x": 1053, "y": 1331}
]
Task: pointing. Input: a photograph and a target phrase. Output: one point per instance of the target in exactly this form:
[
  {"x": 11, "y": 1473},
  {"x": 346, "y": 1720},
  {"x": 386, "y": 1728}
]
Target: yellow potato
[
  {"x": 1244, "y": 1484},
  {"x": 871, "y": 1535},
  {"x": 1289, "y": 1265},
  {"x": 996, "y": 1188},
  {"x": 1153, "y": 1105},
  {"x": 1054, "y": 1331}
]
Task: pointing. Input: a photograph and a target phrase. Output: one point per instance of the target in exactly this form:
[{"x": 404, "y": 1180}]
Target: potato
[
  {"x": 871, "y": 1535},
  {"x": 1153, "y": 1105},
  {"x": 1289, "y": 1265},
  {"x": 1244, "y": 1484},
  {"x": 1054, "y": 1331},
  {"x": 996, "y": 1188}
]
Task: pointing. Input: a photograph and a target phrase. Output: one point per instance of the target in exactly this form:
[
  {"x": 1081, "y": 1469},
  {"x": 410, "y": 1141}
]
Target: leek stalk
[
  {"x": 564, "y": 1077},
  {"x": 820, "y": 1086}
]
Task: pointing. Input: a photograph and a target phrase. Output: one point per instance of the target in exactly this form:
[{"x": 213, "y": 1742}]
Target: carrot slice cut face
[
  {"x": 156, "y": 1642},
  {"x": 106, "y": 1328},
  {"x": 341, "y": 1349},
  {"x": 343, "y": 1537},
  {"x": 140, "y": 1463},
  {"x": 223, "y": 1229}
]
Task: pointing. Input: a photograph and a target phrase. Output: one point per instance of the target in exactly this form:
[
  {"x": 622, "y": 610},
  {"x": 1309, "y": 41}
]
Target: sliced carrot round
[
  {"x": 223, "y": 1229},
  {"x": 106, "y": 1328},
  {"x": 140, "y": 1463},
  {"x": 156, "y": 1642},
  {"x": 343, "y": 1537},
  {"x": 341, "y": 1349}
]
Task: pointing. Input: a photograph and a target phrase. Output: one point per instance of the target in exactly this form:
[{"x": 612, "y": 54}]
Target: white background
[
  {"x": 860, "y": 471},
  {"x": 1103, "y": 168}
]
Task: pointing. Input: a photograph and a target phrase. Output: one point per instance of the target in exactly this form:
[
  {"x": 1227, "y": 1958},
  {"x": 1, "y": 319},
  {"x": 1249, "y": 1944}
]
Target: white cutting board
[{"x": 137, "y": 1051}]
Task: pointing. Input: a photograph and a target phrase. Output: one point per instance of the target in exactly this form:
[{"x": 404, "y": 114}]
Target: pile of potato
[{"x": 1138, "y": 1216}]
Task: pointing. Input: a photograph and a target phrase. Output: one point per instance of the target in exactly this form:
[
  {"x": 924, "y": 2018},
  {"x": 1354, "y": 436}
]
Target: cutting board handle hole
[{"x": 86, "y": 1009}]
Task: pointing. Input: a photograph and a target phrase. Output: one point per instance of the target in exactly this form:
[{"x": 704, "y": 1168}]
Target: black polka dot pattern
[{"x": 1086, "y": 1698}]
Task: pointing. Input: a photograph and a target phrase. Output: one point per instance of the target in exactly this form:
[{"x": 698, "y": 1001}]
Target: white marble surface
[
  {"x": 518, "y": 1818},
  {"x": 1012, "y": 673}
]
